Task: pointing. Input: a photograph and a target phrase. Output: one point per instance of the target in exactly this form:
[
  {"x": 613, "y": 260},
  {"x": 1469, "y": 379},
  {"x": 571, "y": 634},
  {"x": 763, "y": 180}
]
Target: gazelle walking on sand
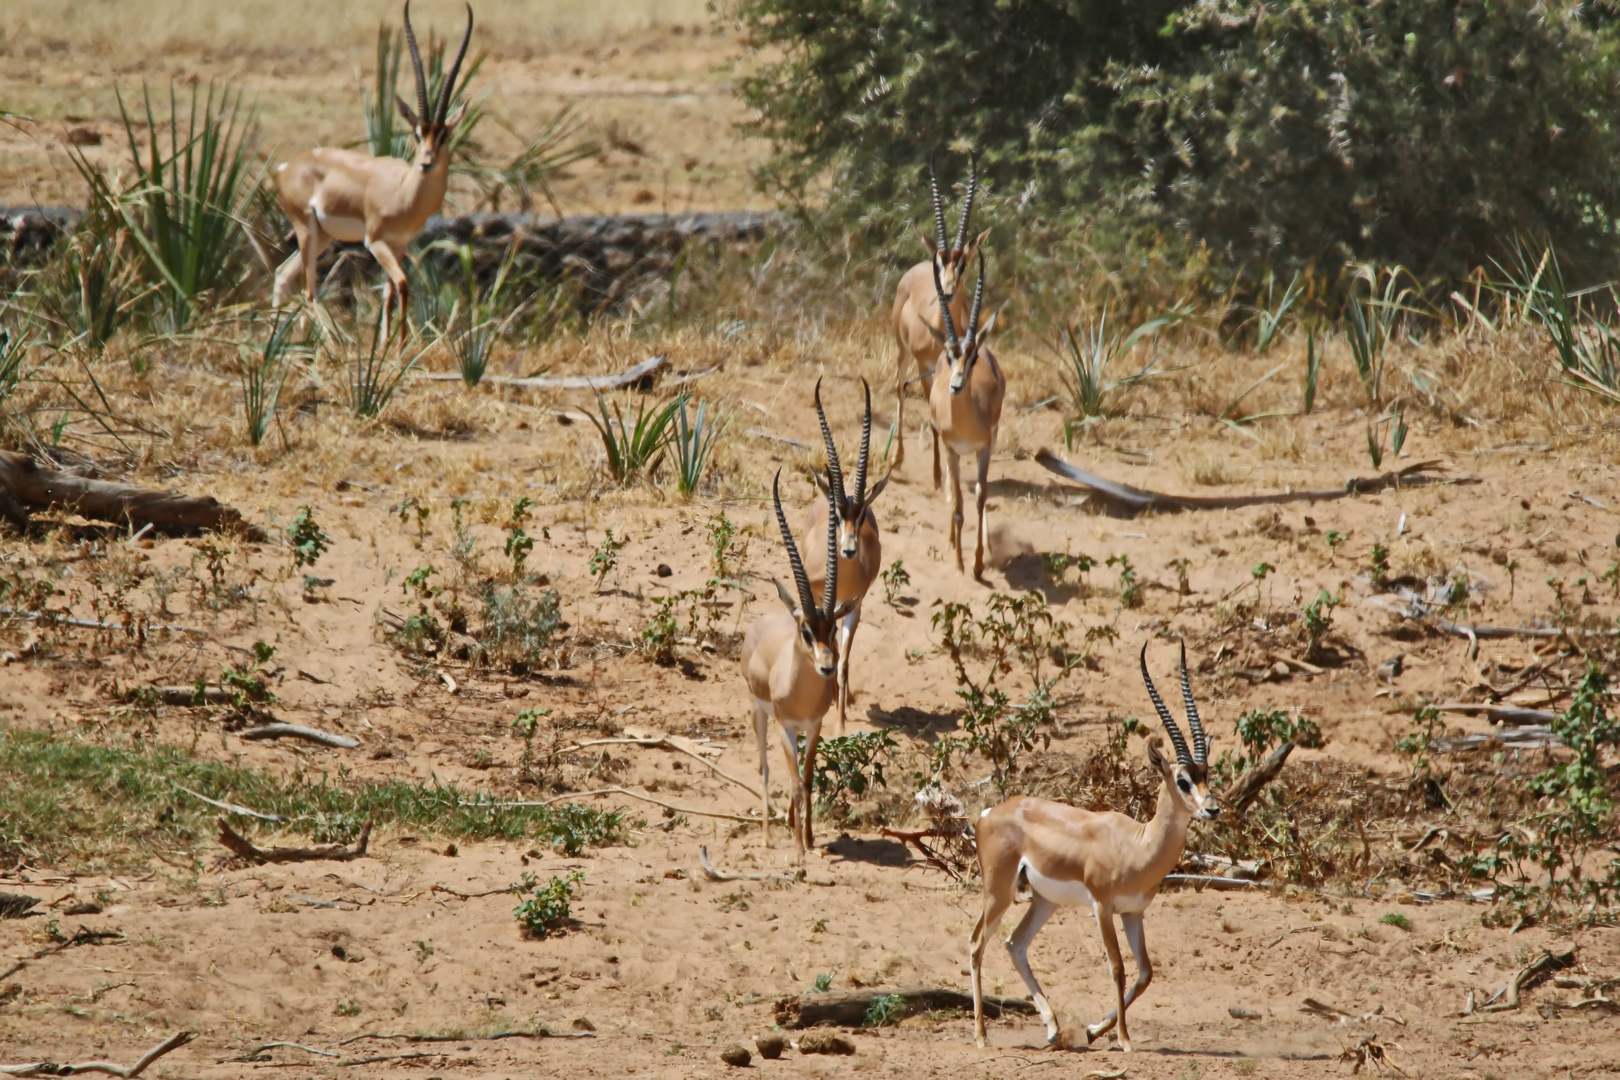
[
  {"x": 860, "y": 549},
  {"x": 1112, "y": 862},
  {"x": 918, "y": 330},
  {"x": 790, "y": 661},
  {"x": 966, "y": 406},
  {"x": 334, "y": 194}
]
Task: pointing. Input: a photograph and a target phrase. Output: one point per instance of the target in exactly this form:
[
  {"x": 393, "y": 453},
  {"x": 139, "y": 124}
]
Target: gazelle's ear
[
  {"x": 928, "y": 241},
  {"x": 978, "y": 242},
  {"x": 1155, "y": 751},
  {"x": 821, "y": 485},
  {"x": 454, "y": 118},
  {"x": 989, "y": 326},
  {"x": 787, "y": 597},
  {"x": 877, "y": 489},
  {"x": 408, "y": 113},
  {"x": 844, "y": 608}
]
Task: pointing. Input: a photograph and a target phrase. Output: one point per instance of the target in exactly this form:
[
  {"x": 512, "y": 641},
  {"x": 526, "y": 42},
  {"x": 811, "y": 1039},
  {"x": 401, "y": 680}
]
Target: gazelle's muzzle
[
  {"x": 959, "y": 374},
  {"x": 849, "y": 541},
  {"x": 1209, "y": 807},
  {"x": 826, "y": 660}
]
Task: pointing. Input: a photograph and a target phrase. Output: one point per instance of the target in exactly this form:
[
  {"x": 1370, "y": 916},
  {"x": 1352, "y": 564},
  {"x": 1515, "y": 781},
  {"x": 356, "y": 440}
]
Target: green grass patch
[
  {"x": 1397, "y": 920},
  {"x": 97, "y": 806}
]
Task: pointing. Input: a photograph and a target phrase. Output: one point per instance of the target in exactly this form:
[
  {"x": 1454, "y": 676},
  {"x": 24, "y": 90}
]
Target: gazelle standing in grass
[
  {"x": 918, "y": 329},
  {"x": 966, "y": 404},
  {"x": 790, "y": 661},
  {"x": 860, "y": 549},
  {"x": 334, "y": 194},
  {"x": 1107, "y": 860}
]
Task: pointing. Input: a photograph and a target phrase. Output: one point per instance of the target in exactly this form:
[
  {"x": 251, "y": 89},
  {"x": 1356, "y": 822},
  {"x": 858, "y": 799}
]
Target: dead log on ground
[
  {"x": 27, "y": 486},
  {"x": 629, "y": 377},
  {"x": 1534, "y": 974},
  {"x": 1129, "y": 501},
  {"x": 847, "y": 1008},
  {"x": 1529, "y": 737},
  {"x": 50, "y": 1068},
  {"x": 1251, "y": 782},
  {"x": 239, "y": 846},
  {"x": 295, "y": 731}
]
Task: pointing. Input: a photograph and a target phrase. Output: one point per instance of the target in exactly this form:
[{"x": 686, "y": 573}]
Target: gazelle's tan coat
[
  {"x": 790, "y": 663},
  {"x": 332, "y": 194},
  {"x": 860, "y": 546},
  {"x": 919, "y": 331},
  {"x": 1106, "y": 860}
]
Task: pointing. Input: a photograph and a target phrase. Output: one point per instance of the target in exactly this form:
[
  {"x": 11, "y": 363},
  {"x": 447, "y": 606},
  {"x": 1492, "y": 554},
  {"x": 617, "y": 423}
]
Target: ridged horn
[
  {"x": 978, "y": 303},
  {"x": 866, "y": 445},
  {"x": 1164, "y": 714},
  {"x": 835, "y": 471},
  {"x": 945, "y": 311},
  {"x": 967, "y": 206},
  {"x": 448, "y": 88},
  {"x": 422, "y": 115},
  {"x": 1200, "y": 741},
  {"x": 800, "y": 578},
  {"x": 829, "y": 595},
  {"x": 939, "y": 203}
]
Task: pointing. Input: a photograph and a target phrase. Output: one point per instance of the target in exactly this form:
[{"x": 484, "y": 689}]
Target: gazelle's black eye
[
  {"x": 809, "y": 639},
  {"x": 1183, "y": 784}
]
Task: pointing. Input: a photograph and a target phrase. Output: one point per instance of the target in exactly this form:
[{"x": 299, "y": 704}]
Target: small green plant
[
  {"x": 884, "y": 1010},
  {"x": 246, "y": 683},
  {"x": 347, "y": 1008},
  {"x": 1334, "y": 538},
  {"x": 1380, "y": 565},
  {"x": 635, "y": 449},
  {"x": 1259, "y": 572},
  {"x": 549, "y": 908},
  {"x": 262, "y": 370},
  {"x": 374, "y": 374},
  {"x": 1397, "y": 920},
  {"x": 1183, "y": 586},
  {"x": 1313, "y": 370},
  {"x": 823, "y": 982},
  {"x": 1375, "y": 436},
  {"x": 1268, "y": 318},
  {"x": 605, "y": 559},
  {"x": 726, "y": 551},
  {"x": 526, "y": 724},
  {"x": 518, "y": 542},
  {"x": 1130, "y": 589},
  {"x": 416, "y": 583},
  {"x": 1417, "y": 743},
  {"x": 306, "y": 539},
  {"x": 848, "y": 766},
  {"x": 1087, "y": 351},
  {"x": 1373, "y": 321},
  {"x": 1261, "y": 730},
  {"x": 1317, "y": 619},
  {"x": 894, "y": 578},
  {"x": 423, "y": 951},
  {"x": 527, "y": 883},
  {"x": 694, "y": 442}
]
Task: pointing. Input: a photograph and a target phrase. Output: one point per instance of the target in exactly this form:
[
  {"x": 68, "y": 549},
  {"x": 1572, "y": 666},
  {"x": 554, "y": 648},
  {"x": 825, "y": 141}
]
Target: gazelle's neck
[{"x": 1167, "y": 832}]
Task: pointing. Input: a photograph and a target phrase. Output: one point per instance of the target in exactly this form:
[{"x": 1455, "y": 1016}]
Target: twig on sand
[
  {"x": 1128, "y": 500},
  {"x": 1209, "y": 881},
  {"x": 82, "y": 937},
  {"x": 542, "y": 1033},
  {"x": 295, "y": 731},
  {"x": 666, "y": 743},
  {"x": 782, "y": 879},
  {"x": 238, "y": 845},
  {"x": 232, "y": 807},
  {"x": 49, "y": 1068},
  {"x": 96, "y": 624},
  {"x": 1535, "y": 972},
  {"x": 257, "y": 1053},
  {"x": 644, "y": 370},
  {"x": 634, "y": 795}
]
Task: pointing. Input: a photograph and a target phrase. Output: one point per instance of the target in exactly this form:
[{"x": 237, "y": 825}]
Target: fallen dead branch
[
  {"x": 1499, "y": 714},
  {"x": 1340, "y": 1016},
  {"x": 1533, "y": 737},
  {"x": 644, "y": 370},
  {"x": 1369, "y": 1053},
  {"x": 666, "y": 743},
  {"x": 1532, "y": 975},
  {"x": 258, "y": 1052},
  {"x": 97, "y": 624},
  {"x": 780, "y": 879},
  {"x": 232, "y": 807},
  {"x": 49, "y": 1068},
  {"x": 1250, "y": 784},
  {"x": 1128, "y": 500},
  {"x": 82, "y": 937},
  {"x": 294, "y": 731},
  {"x": 16, "y": 905},
  {"x": 644, "y": 798},
  {"x": 179, "y": 696},
  {"x": 26, "y": 486},
  {"x": 541, "y": 1033},
  {"x": 1210, "y": 881},
  {"x": 238, "y": 845},
  {"x": 847, "y": 1008}
]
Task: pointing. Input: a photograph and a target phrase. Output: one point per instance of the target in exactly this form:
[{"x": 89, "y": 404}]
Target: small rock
[
  {"x": 825, "y": 1042},
  {"x": 1239, "y": 1013},
  {"x": 737, "y": 1055},
  {"x": 664, "y": 570},
  {"x": 771, "y": 1046},
  {"x": 583, "y": 1023},
  {"x": 450, "y": 851}
]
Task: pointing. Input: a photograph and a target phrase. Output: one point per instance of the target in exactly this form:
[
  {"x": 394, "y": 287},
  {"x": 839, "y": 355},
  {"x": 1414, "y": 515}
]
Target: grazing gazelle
[
  {"x": 790, "y": 660},
  {"x": 860, "y": 550},
  {"x": 334, "y": 194},
  {"x": 918, "y": 331},
  {"x": 1112, "y": 862},
  {"x": 966, "y": 409}
]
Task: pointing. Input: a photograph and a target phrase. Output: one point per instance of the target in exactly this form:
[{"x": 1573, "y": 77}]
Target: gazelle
[
  {"x": 334, "y": 194},
  {"x": 860, "y": 549},
  {"x": 918, "y": 331},
  {"x": 790, "y": 661},
  {"x": 1112, "y": 862},
  {"x": 966, "y": 409}
]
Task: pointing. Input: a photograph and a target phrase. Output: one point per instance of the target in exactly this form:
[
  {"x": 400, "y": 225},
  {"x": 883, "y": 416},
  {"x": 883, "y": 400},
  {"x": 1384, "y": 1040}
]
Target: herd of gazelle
[{"x": 796, "y": 662}]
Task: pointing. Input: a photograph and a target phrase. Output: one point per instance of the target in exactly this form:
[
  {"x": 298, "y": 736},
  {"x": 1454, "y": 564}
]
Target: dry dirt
[{"x": 669, "y": 967}]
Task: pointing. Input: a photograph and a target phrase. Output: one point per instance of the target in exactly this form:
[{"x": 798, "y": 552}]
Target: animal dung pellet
[
  {"x": 819, "y": 1042},
  {"x": 771, "y": 1046},
  {"x": 737, "y": 1055}
]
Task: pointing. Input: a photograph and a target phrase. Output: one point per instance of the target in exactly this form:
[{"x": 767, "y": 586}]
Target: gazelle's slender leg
[
  {"x": 953, "y": 476},
  {"x": 762, "y": 722},
  {"x": 846, "y": 634},
  {"x": 807, "y": 780},
  {"x": 900, "y": 403},
  {"x": 288, "y": 273},
  {"x": 790, "y": 749},
  {"x": 1144, "y": 969},
  {"x": 395, "y": 287},
  {"x": 981, "y": 494},
  {"x": 311, "y": 242},
  {"x": 935, "y": 432},
  {"x": 1040, "y": 909},
  {"x": 1116, "y": 967},
  {"x": 996, "y": 902}
]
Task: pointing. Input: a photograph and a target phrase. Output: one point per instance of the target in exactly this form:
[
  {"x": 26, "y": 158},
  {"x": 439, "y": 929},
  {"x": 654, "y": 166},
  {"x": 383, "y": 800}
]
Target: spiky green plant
[
  {"x": 262, "y": 369},
  {"x": 694, "y": 442},
  {"x": 637, "y": 448}
]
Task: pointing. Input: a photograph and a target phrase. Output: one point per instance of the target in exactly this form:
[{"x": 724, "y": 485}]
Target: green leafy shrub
[
  {"x": 848, "y": 766},
  {"x": 550, "y": 906}
]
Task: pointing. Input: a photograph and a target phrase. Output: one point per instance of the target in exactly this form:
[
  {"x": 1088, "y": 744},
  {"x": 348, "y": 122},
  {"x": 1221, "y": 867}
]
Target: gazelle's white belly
[
  {"x": 1067, "y": 893},
  {"x": 348, "y": 229}
]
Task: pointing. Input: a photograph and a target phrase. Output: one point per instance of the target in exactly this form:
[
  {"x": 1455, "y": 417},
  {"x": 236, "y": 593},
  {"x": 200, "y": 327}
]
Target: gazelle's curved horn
[
  {"x": 447, "y": 90},
  {"x": 800, "y": 578},
  {"x": 945, "y": 311},
  {"x": 829, "y": 593},
  {"x": 939, "y": 203},
  {"x": 1200, "y": 741},
  {"x": 422, "y": 115},
  {"x": 967, "y": 205},
  {"x": 1164, "y": 714},
  {"x": 866, "y": 445},
  {"x": 978, "y": 303},
  {"x": 835, "y": 471}
]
